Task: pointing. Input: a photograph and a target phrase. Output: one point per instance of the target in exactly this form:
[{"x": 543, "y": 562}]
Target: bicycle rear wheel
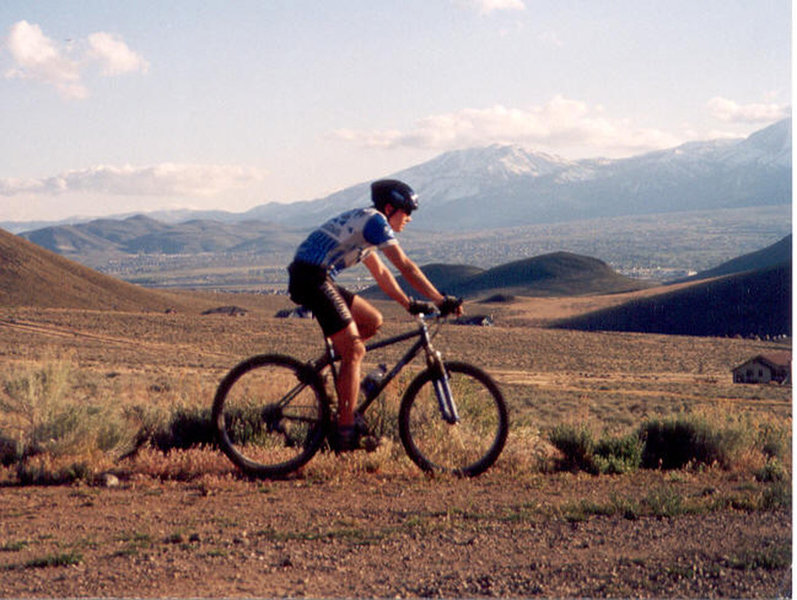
[
  {"x": 470, "y": 446},
  {"x": 270, "y": 413}
]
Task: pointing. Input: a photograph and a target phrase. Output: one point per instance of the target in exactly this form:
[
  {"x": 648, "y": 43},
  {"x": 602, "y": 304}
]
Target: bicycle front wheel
[
  {"x": 468, "y": 447},
  {"x": 270, "y": 413}
]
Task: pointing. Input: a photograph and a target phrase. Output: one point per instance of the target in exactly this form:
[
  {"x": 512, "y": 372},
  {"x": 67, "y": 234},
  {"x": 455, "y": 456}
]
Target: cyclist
[{"x": 347, "y": 319}]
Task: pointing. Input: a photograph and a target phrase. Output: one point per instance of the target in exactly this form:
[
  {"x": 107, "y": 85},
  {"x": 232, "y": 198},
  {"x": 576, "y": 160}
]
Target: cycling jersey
[{"x": 346, "y": 240}]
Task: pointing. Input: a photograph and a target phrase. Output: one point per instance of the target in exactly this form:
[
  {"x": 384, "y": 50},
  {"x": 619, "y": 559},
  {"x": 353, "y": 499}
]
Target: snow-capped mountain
[
  {"x": 501, "y": 185},
  {"x": 506, "y": 185}
]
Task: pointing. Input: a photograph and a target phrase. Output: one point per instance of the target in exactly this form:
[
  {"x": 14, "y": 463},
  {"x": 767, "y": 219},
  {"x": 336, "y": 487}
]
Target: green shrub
[
  {"x": 777, "y": 495},
  {"x": 619, "y": 454},
  {"x": 42, "y": 470},
  {"x": 774, "y": 440},
  {"x": 34, "y": 403},
  {"x": 609, "y": 455},
  {"x": 188, "y": 427},
  {"x": 772, "y": 471},
  {"x": 65, "y": 559},
  {"x": 576, "y": 445},
  {"x": 42, "y": 415},
  {"x": 677, "y": 442}
]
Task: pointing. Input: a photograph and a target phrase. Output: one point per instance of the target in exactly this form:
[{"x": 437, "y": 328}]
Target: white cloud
[
  {"x": 114, "y": 55},
  {"x": 484, "y": 7},
  {"x": 732, "y": 112},
  {"x": 561, "y": 125},
  {"x": 166, "y": 179},
  {"x": 39, "y": 58}
]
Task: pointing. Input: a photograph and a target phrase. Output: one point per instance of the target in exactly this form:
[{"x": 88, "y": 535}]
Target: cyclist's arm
[
  {"x": 384, "y": 278},
  {"x": 411, "y": 272}
]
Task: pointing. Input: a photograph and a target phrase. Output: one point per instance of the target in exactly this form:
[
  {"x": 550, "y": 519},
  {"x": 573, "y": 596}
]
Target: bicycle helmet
[{"x": 393, "y": 192}]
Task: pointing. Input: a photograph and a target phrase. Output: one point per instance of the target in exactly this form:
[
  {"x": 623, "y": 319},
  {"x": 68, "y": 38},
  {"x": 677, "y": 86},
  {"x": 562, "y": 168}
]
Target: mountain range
[
  {"x": 141, "y": 234},
  {"x": 508, "y": 185}
]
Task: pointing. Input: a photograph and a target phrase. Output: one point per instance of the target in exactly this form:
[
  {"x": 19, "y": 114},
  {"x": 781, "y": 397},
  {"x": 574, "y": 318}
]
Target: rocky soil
[{"x": 390, "y": 536}]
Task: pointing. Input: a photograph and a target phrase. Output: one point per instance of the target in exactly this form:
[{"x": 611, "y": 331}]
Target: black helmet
[{"x": 394, "y": 192}]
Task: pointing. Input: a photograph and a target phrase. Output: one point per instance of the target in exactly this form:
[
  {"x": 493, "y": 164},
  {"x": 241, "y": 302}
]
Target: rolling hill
[
  {"x": 777, "y": 253},
  {"x": 143, "y": 235},
  {"x": 33, "y": 276},
  {"x": 554, "y": 274},
  {"x": 750, "y": 303}
]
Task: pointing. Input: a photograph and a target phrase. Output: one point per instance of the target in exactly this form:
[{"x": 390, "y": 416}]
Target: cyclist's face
[{"x": 398, "y": 219}]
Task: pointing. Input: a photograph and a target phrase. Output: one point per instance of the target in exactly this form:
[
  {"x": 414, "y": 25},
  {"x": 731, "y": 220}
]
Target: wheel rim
[
  {"x": 466, "y": 448},
  {"x": 270, "y": 422}
]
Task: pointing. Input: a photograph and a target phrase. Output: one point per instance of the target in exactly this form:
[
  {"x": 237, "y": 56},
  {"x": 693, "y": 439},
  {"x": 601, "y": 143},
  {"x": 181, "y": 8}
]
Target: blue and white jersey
[{"x": 346, "y": 240}]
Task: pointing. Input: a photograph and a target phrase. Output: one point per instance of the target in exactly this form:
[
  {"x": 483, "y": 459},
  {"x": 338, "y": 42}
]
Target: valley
[{"x": 652, "y": 247}]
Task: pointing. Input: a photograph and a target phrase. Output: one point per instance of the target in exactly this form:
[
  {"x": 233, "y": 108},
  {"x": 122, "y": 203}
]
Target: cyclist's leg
[
  {"x": 367, "y": 317},
  {"x": 348, "y": 343},
  {"x": 350, "y": 347},
  {"x": 341, "y": 314}
]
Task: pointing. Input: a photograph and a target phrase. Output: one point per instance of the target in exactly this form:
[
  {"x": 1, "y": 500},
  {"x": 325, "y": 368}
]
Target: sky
[{"x": 111, "y": 107}]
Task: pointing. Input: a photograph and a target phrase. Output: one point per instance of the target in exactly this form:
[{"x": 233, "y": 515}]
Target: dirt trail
[
  {"x": 79, "y": 334},
  {"x": 385, "y": 537}
]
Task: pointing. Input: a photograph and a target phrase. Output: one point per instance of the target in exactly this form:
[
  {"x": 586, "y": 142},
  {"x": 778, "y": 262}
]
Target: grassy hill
[
  {"x": 777, "y": 253},
  {"x": 750, "y": 303},
  {"x": 101, "y": 235},
  {"x": 554, "y": 274},
  {"x": 33, "y": 276},
  {"x": 141, "y": 234}
]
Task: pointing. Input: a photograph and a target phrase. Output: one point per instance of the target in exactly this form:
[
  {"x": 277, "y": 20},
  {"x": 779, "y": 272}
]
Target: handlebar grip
[
  {"x": 417, "y": 307},
  {"x": 450, "y": 305}
]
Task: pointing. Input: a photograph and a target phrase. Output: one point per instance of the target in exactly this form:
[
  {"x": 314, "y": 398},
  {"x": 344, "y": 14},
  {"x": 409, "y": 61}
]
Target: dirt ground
[{"x": 386, "y": 537}]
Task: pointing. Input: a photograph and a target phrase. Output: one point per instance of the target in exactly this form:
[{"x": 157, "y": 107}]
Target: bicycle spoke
[
  {"x": 271, "y": 421},
  {"x": 467, "y": 447}
]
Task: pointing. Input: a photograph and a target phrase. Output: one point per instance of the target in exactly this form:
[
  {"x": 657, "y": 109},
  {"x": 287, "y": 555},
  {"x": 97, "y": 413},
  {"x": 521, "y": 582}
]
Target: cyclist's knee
[
  {"x": 372, "y": 326},
  {"x": 349, "y": 344},
  {"x": 367, "y": 317},
  {"x": 356, "y": 350}
]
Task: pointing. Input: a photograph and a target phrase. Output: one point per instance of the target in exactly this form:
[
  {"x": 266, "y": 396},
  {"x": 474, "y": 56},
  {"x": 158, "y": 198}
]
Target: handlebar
[{"x": 449, "y": 306}]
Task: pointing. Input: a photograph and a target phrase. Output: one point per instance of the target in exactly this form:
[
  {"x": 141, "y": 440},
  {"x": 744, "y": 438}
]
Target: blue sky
[{"x": 111, "y": 107}]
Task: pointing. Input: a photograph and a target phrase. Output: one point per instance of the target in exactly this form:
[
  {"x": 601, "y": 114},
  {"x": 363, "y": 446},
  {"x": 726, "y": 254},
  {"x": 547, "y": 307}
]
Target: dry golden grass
[{"x": 149, "y": 364}]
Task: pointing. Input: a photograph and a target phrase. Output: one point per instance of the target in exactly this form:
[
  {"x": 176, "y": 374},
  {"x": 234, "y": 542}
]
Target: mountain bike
[{"x": 272, "y": 413}]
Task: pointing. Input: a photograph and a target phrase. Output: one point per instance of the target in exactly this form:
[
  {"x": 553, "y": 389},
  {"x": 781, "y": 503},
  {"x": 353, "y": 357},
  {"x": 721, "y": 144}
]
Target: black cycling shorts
[{"x": 312, "y": 287}]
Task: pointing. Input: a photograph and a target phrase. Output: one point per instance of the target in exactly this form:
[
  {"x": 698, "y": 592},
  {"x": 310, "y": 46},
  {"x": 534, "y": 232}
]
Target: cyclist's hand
[
  {"x": 418, "y": 307},
  {"x": 451, "y": 306}
]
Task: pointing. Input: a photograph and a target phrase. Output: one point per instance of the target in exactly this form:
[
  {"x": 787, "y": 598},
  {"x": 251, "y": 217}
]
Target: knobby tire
[
  {"x": 271, "y": 415},
  {"x": 467, "y": 448}
]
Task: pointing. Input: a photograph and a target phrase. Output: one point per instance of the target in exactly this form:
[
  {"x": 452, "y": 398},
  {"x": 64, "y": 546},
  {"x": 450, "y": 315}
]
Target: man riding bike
[{"x": 347, "y": 319}]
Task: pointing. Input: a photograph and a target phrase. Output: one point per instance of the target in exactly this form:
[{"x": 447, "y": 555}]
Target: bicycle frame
[
  {"x": 447, "y": 407},
  {"x": 288, "y": 434}
]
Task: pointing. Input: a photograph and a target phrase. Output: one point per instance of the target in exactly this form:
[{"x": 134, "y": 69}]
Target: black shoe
[
  {"x": 360, "y": 426},
  {"x": 345, "y": 439}
]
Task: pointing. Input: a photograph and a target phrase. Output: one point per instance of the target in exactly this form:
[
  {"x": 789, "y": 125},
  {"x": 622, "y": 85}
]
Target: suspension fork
[{"x": 440, "y": 381}]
